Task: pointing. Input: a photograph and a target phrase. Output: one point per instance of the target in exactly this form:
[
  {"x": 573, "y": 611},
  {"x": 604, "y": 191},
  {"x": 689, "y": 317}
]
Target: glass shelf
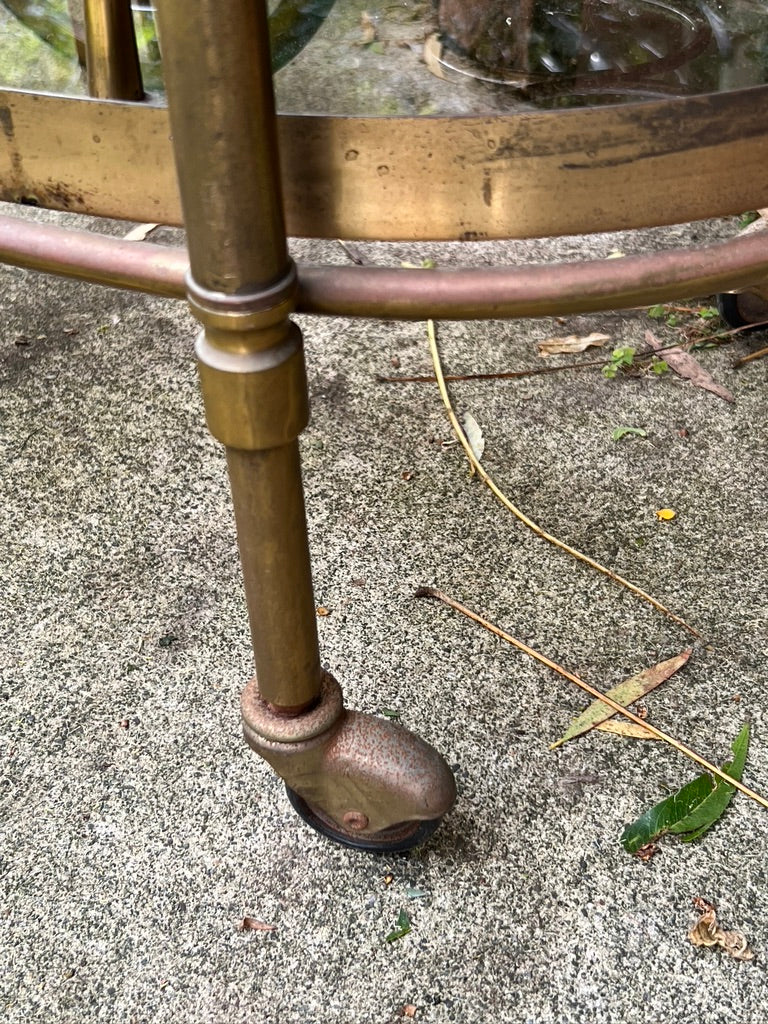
[{"x": 441, "y": 57}]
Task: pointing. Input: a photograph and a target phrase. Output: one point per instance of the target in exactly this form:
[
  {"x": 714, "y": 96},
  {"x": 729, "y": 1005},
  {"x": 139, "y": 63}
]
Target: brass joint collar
[
  {"x": 244, "y": 312},
  {"x": 269, "y": 725}
]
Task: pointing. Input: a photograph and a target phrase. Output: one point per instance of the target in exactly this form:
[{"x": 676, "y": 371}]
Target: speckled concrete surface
[{"x": 137, "y": 830}]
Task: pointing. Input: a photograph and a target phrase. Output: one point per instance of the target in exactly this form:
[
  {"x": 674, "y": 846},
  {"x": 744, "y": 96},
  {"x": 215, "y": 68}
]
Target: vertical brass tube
[
  {"x": 242, "y": 287},
  {"x": 216, "y": 62},
  {"x": 272, "y": 535},
  {"x": 111, "y": 57}
]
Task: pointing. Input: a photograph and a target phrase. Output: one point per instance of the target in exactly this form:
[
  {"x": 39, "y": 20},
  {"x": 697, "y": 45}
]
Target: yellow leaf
[
  {"x": 666, "y": 514},
  {"x": 625, "y": 693},
  {"x": 629, "y": 730}
]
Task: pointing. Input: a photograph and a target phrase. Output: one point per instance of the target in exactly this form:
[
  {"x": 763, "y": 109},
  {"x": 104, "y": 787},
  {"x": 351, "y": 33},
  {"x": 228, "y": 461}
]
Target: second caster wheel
[{"x": 743, "y": 309}]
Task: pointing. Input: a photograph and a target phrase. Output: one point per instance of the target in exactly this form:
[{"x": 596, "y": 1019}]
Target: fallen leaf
[
  {"x": 409, "y": 1010},
  {"x": 691, "y": 810},
  {"x": 322, "y": 611},
  {"x": 625, "y": 693},
  {"x": 473, "y": 434},
  {"x": 570, "y": 344},
  {"x": 402, "y": 927},
  {"x": 665, "y": 514},
  {"x": 620, "y": 432},
  {"x": 645, "y": 853},
  {"x": 629, "y": 730},
  {"x": 140, "y": 232},
  {"x": 684, "y": 365},
  {"x": 707, "y": 932},
  {"x": 432, "y": 55},
  {"x": 250, "y": 924},
  {"x": 392, "y": 713}
]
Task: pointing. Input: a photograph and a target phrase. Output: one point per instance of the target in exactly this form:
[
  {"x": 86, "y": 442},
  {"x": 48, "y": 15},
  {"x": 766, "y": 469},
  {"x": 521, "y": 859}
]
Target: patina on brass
[
  {"x": 242, "y": 287},
  {"x": 111, "y": 57},
  {"x": 450, "y": 294},
  {"x": 524, "y": 175},
  {"x": 361, "y": 776}
]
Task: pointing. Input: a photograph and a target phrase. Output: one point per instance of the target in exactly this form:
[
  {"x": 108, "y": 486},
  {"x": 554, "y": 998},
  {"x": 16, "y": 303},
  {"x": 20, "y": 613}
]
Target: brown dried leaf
[
  {"x": 707, "y": 932},
  {"x": 687, "y": 367},
  {"x": 251, "y": 924},
  {"x": 645, "y": 853},
  {"x": 322, "y": 611},
  {"x": 409, "y": 1010},
  {"x": 432, "y": 54},
  {"x": 572, "y": 343},
  {"x": 629, "y": 730}
]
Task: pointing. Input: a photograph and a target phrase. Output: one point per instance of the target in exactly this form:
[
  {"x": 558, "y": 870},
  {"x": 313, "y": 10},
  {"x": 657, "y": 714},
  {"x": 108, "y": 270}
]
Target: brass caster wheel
[
  {"x": 396, "y": 839},
  {"x": 743, "y": 309}
]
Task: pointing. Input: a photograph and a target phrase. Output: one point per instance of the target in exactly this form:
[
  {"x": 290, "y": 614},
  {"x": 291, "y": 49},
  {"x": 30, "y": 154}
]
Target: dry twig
[
  {"x": 591, "y": 690},
  {"x": 489, "y": 482}
]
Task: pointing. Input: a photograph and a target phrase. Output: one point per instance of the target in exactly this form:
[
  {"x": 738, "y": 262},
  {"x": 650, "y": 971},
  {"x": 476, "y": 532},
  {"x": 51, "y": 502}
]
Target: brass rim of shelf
[{"x": 468, "y": 178}]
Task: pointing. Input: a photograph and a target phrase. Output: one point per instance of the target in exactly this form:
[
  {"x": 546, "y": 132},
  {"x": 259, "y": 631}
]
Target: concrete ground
[{"x": 137, "y": 829}]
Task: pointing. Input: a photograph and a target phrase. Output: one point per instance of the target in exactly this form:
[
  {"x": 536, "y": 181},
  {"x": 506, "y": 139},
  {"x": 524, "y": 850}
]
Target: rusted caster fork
[{"x": 362, "y": 781}]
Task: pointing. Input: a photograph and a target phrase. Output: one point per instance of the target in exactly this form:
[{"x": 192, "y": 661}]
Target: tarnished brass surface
[
  {"x": 242, "y": 287},
  {"x": 526, "y": 175},
  {"x": 364, "y": 775},
  {"x": 272, "y": 536},
  {"x": 255, "y": 400},
  {"x": 219, "y": 85},
  {"x": 112, "y": 60},
  {"x": 412, "y": 294}
]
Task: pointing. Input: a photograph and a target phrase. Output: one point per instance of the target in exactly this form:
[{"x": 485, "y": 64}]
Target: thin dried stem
[
  {"x": 490, "y": 483},
  {"x": 517, "y": 374},
  {"x": 760, "y": 354},
  {"x": 592, "y": 691}
]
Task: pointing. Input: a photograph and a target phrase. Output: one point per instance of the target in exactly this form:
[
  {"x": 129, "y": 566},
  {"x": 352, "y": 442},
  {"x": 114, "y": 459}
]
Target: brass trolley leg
[{"x": 362, "y": 781}]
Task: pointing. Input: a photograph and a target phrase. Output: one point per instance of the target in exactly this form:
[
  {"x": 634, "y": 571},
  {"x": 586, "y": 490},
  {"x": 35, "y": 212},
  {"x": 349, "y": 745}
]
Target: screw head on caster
[{"x": 397, "y": 839}]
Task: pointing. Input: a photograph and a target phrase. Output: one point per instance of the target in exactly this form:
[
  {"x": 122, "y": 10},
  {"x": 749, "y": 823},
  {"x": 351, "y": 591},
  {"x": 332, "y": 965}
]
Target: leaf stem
[{"x": 591, "y": 690}]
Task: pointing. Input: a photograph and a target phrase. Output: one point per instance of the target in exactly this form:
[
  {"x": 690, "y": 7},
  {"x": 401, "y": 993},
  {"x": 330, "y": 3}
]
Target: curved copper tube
[
  {"x": 450, "y": 294},
  {"x": 140, "y": 266}
]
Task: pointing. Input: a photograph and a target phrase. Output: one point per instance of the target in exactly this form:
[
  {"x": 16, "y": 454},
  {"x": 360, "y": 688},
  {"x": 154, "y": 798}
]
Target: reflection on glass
[{"x": 441, "y": 56}]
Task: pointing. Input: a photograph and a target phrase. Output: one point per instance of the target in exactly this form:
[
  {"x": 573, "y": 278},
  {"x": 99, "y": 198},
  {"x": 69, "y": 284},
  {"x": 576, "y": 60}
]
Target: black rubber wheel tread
[
  {"x": 730, "y": 311},
  {"x": 422, "y": 830}
]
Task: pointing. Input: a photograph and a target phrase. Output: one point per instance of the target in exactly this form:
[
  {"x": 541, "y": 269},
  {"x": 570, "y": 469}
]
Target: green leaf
[
  {"x": 690, "y": 811},
  {"x": 625, "y": 693},
  {"x": 656, "y": 312},
  {"x": 704, "y": 816},
  {"x": 748, "y": 218},
  {"x": 620, "y": 432},
  {"x": 392, "y": 713},
  {"x": 401, "y": 929},
  {"x": 659, "y": 366}
]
